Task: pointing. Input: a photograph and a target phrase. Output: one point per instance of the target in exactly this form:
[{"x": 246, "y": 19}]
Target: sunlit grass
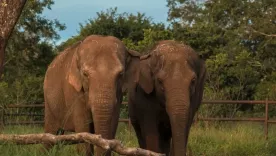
[{"x": 243, "y": 139}]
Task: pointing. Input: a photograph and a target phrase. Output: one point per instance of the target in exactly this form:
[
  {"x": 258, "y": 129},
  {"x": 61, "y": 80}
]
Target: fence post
[{"x": 266, "y": 119}]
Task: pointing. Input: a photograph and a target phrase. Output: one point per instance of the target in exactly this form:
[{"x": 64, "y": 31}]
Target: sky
[{"x": 73, "y": 12}]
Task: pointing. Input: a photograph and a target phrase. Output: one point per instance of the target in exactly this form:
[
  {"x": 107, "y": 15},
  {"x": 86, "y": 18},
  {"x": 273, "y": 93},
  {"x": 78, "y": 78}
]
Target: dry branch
[{"x": 46, "y": 138}]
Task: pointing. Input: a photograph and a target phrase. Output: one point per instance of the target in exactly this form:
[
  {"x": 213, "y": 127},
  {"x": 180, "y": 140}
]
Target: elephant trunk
[
  {"x": 178, "y": 108},
  {"x": 103, "y": 111}
]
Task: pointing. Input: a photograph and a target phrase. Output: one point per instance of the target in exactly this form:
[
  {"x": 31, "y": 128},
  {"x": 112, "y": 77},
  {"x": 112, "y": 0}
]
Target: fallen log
[{"x": 46, "y": 138}]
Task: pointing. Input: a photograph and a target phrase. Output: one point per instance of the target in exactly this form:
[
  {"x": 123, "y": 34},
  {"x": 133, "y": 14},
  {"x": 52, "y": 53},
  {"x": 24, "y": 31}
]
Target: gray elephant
[
  {"x": 165, "y": 96},
  {"x": 83, "y": 88}
]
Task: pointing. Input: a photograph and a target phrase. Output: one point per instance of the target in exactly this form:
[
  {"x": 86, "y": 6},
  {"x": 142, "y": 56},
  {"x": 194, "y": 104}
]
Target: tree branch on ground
[
  {"x": 46, "y": 138},
  {"x": 10, "y": 11}
]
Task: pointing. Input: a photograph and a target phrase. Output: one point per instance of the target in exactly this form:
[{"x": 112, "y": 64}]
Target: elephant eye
[
  {"x": 159, "y": 80},
  {"x": 193, "y": 80},
  {"x": 85, "y": 73},
  {"x": 121, "y": 74},
  {"x": 192, "y": 86},
  {"x": 162, "y": 88}
]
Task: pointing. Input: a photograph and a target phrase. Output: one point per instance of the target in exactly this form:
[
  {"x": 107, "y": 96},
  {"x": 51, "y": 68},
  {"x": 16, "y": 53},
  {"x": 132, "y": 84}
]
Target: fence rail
[{"x": 264, "y": 119}]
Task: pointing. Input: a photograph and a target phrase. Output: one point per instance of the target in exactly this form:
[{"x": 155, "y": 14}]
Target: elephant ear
[
  {"x": 132, "y": 69},
  {"x": 200, "y": 83},
  {"x": 145, "y": 78},
  {"x": 74, "y": 76}
]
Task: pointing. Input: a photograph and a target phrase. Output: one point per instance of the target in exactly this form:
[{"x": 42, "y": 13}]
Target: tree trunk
[{"x": 10, "y": 11}]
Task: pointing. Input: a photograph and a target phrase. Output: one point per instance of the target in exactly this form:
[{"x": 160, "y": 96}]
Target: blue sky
[{"x": 73, "y": 12}]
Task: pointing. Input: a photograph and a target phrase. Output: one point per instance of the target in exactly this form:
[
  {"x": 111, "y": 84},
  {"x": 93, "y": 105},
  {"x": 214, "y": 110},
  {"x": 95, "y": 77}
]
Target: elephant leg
[
  {"x": 51, "y": 126},
  {"x": 83, "y": 123},
  {"x": 165, "y": 145},
  {"x": 47, "y": 146},
  {"x": 165, "y": 139},
  {"x": 137, "y": 129},
  {"x": 172, "y": 147},
  {"x": 150, "y": 133},
  {"x": 85, "y": 147}
]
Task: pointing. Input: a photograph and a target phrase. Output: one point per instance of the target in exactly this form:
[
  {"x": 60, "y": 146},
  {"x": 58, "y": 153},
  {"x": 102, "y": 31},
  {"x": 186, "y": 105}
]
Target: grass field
[{"x": 243, "y": 139}]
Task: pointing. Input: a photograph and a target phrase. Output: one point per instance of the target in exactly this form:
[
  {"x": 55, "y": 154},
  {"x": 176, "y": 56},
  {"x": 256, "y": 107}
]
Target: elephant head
[
  {"x": 175, "y": 74},
  {"x": 97, "y": 70}
]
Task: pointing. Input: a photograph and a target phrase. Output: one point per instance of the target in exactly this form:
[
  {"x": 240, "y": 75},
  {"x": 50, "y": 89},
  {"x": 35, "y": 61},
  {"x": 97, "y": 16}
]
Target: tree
[
  {"x": 213, "y": 28},
  {"x": 10, "y": 11},
  {"x": 121, "y": 25},
  {"x": 236, "y": 40},
  {"x": 28, "y": 54}
]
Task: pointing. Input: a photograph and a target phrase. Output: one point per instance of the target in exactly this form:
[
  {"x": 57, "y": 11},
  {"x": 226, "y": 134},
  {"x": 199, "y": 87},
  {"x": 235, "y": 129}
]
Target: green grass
[{"x": 243, "y": 139}]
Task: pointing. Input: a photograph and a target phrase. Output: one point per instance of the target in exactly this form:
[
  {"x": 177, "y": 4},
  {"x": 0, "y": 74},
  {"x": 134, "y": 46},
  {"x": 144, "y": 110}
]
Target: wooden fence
[{"x": 264, "y": 119}]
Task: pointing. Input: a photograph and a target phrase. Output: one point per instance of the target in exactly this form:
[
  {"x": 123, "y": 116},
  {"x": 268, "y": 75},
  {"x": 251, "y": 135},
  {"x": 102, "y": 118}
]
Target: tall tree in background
[
  {"x": 10, "y": 11},
  {"x": 229, "y": 35},
  {"x": 236, "y": 40},
  {"x": 130, "y": 28},
  {"x": 29, "y": 51}
]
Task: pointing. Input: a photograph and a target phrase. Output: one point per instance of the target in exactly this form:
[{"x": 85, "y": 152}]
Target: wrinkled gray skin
[
  {"x": 166, "y": 94},
  {"x": 83, "y": 88}
]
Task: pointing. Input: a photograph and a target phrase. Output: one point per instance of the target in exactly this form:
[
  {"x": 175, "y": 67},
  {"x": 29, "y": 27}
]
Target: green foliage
[
  {"x": 3, "y": 93},
  {"x": 232, "y": 40},
  {"x": 24, "y": 90},
  {"x": 34, "y": 25},
  {"x": 239, "y": 80},
  {"x": 150, "y": 38},
  {"x": 267, "y": 87},
  {"x": 121, "y": 25},
  {"x": 28, "y": 90},
  {"x": 28, "y": 54}
]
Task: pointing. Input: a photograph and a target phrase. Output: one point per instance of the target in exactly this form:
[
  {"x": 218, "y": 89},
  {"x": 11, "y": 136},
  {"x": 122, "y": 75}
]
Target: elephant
[
  {"x": 83, "y": 88},
  {"x": 164, "y": 96}
]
